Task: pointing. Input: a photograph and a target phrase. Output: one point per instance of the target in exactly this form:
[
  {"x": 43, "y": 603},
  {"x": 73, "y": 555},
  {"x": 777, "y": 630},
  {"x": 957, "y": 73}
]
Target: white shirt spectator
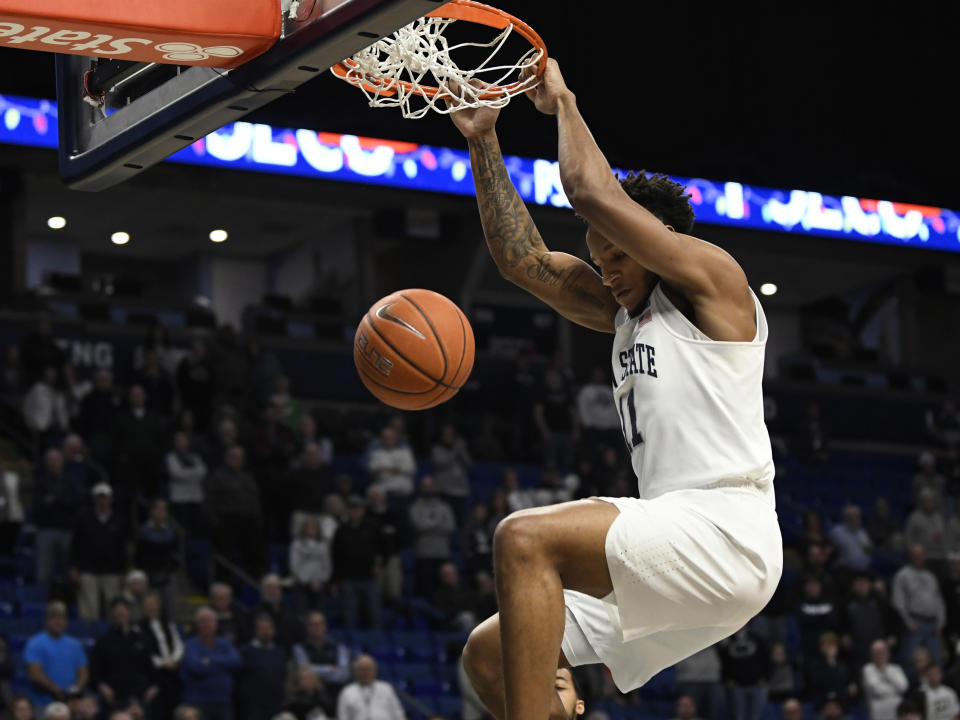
[
  {"x": 376, "y": 701},
  {"x": 310, "y": 561},
  {"x": 596, "y": 407},
  {"x": 45, "y": 408},
  {"x": 187, "y": 473},
  {"x": 883, "y": 688},
  {"x": 392, "y": 466},
  {"x": 942, "y": 703}
]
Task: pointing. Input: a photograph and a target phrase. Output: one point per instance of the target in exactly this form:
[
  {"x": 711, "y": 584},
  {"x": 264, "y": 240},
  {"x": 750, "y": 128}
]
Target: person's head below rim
[
  {"x": 568, "y": 689},
  {"x": 628, "y": 281}
]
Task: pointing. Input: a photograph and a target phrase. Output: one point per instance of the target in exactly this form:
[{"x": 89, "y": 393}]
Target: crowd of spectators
[{"x": 212, "y": 444}]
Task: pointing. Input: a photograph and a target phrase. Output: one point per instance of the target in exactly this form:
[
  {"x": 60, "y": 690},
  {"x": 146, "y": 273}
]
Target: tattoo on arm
[
  {"x": 568, "y": 280},
  {"x": 509, "y": 229}
]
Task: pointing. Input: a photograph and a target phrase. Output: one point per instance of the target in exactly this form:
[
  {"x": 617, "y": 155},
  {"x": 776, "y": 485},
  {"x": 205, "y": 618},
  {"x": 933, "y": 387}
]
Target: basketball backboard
[{"x": 152, "y": 110}]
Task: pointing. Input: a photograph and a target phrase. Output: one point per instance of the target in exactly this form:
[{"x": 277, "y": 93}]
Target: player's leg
[
  {"x": 538, "y": 553},
  {"x": 483, "y": 663}
]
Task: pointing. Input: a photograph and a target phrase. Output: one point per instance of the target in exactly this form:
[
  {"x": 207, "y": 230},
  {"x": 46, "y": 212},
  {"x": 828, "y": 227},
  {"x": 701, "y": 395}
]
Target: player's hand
[
  {"x": 471, "y": 122},
  {"x": 547, "y": 94}
]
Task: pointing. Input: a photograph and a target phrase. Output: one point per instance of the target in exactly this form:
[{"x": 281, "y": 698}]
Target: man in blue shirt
[
  {"x": 207, "y": 669},
  {"x": 56, "y": 663}
]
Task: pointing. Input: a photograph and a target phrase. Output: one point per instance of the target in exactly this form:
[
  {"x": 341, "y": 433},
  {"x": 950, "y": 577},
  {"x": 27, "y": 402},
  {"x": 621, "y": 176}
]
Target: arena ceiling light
[
  {"x": 120, "y": 238},
  {"x": 768, "y": 288},
  {"x": 56, "y": 222},
  {"x": 218, "y": 236}
]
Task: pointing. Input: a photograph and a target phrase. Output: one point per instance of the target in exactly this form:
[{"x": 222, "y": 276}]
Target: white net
[{"x": 415, "y": 70}]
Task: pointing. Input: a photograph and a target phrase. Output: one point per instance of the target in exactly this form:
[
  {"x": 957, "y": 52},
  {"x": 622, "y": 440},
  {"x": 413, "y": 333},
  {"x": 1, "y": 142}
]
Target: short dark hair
[{"x": 668, "y": 200}]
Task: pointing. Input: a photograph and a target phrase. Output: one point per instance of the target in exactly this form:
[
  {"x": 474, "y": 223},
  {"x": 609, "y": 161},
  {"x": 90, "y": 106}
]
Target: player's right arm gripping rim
[{"x": 566, "y": 283}]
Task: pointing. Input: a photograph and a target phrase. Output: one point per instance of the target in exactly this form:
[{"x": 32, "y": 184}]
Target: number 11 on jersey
[{"x": 628, "y": 420}]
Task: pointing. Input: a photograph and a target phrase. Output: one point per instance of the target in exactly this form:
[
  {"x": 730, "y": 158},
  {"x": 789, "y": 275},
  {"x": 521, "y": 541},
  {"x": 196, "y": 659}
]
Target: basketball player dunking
[{"x": 636, "y": 584}]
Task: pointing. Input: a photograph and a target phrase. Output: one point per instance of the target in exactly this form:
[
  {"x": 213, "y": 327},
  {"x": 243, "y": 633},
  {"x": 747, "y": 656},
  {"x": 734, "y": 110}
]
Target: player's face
[
  {"x": 629, "y": 282},
  {"x": 572, "y": 705}
]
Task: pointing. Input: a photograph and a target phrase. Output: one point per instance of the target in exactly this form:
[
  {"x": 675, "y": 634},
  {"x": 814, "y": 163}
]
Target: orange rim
[{"x": 471, "y": 11}]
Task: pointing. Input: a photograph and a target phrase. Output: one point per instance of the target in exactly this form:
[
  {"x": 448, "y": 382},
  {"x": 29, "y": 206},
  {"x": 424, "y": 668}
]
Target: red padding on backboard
[{"x": 218, "y": 33}]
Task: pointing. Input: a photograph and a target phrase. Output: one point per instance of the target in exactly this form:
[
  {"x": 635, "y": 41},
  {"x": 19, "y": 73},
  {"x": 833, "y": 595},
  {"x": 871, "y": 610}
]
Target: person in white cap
[{"x": 98, "y": 554}]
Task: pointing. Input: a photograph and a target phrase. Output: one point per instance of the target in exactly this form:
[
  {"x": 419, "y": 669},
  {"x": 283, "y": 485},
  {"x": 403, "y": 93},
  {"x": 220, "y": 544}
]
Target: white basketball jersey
[{"x": 691, "y": 407}]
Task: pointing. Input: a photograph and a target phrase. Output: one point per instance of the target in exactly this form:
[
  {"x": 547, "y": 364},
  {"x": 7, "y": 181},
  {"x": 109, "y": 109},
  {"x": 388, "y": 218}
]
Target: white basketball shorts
[{"x": 689, "y": 568}]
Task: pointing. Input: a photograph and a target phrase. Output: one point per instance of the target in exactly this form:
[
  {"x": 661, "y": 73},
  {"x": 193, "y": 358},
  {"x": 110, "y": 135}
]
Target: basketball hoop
[{"x": 417, "y": 64}]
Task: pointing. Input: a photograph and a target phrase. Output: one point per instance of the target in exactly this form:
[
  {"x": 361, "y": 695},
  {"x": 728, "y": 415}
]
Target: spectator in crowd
[
  {"x": 367, "y": 698},
  {"x": 814, "y": 534},
  {"x": 598, "y": 417},
  {"x": 485, "y": 595},
  {"x": 555, "y": 416},
  {"x": 187, "y": 712},
  {"x": 158, "y": 552},
  {"x": 272, "y": 448},
  {"x": 157, "y": 384},
  {"x": 944, "y": 424},
  {"x": 12, "y": 377},
  {"x": 781, "y": 675},
  {"x": 744, "y": 659},
  {"x": 852, "y": 543},
  {"x": 283, "y": 399},
  {"x": 454, "y": 600},
  {"x": 916, "y": 596},
  {"x": 165, "y": 649},
  {"x": 476, "y": 539},
  {"x": 98, "y": 412},
  {"x": 882, "y": 527},
  {"x": 56, "y": 663},
  {"x": 307, "y": 432},
  {"x": 207, "y": 669},
  {"x": 138, "y": 445},
  {"x": 550, "y": 489},
  {"x": 135, "y": 589},
  {"x": 391, "y": 523},
  {"x": 310, "y": 565},
  {"x": 75, "y": 389},
  {"x": 392, "y": 465},
  {"x": 929, "y": 478},
  {"x": 195, "y": 385},
  {"x": 685, "y": 708},
  {"x": 226, "y": 436},
  {"x": 828, "y": 676},
  {"x": 517, "y": 497},
  {"x": 884, "y": 683},
  {"x": 120, "y": 667},
  {"x": 58, "y": 711},
  {"x": 232, "y": 502},
  {"x": 262, "y": 675},
  {"x": 356, "y": 564},
  {"x": 816, "y": 614},
  {"x": 326, "y": 658},
  {"x": 432, "y": 522},
  {"x": 21, "y": 709},
  {"x": 791, "y": 709},
  {"x": 868, "y": 616},
  {"x": 55, "y": 501},
  {"x": 11, "y": 509},
  {"x": 45, "y": 408},
  {"x": 451, "y": 467},
  {"x": 233, "y": 622},
  {"x": 700, "y": 677},
  {"x": 286, "y": 625},
  {"x": 77, "y": 466},
  {"x": 916, "y": 666},
  {"x": 941, "y": 701},
  {"x": 98, "y": 550},
  {"x": 310, "y": 481},
  {"x": 815, "y": 564},
  {"x": 499, "y": 509},
  {"x": 927, "y": 527},
  {"x": 308, "y": 699},
  {"x": 187, "y": 473}
]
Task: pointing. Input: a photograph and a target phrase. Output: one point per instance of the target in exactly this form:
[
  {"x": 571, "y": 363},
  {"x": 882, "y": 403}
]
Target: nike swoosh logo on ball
[{"x": 383, "y": 312}]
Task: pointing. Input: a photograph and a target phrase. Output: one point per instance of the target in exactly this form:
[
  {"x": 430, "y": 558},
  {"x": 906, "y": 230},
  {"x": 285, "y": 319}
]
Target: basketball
[{"x": 414, "y": 349}]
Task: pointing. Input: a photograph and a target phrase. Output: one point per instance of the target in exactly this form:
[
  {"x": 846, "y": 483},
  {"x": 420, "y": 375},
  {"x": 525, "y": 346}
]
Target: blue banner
[{"x": 349, "y": 158}]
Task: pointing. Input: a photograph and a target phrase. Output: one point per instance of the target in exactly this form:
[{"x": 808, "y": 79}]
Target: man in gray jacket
[
  {"x": 916, "y": 596},
  {"x": 432, "y": 521}
]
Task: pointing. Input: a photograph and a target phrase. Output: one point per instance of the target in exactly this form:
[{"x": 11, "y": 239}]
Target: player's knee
[
  {"x": 517, "y": 537},
  {"x": 481, "y": 659}
]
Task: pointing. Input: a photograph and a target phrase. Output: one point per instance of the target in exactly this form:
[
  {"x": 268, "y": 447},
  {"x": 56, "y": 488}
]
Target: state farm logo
[
  {"x": 39, "y": 37},
  {"x": 186, "y": 52}
]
